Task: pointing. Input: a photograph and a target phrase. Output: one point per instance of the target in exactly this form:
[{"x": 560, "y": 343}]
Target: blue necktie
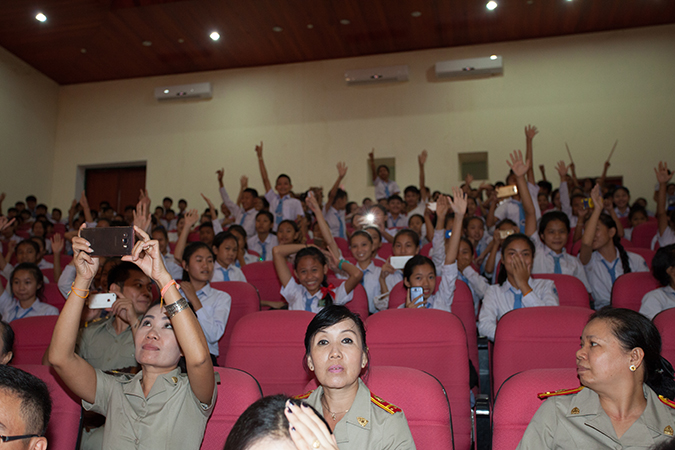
[
  {"x": 308, "y": 302},
  {"x": 611, "y": 270},
  {"x": 279, "y": 211},
  {"x": 556, "y": 261},
  {"x": 243, "y": 217},
  {"x": 226, "y": 276},
  {"x": 236, "y": 263},
  {"x": 386, "y": 189},
  {"x": 518, "y": 299},
  {"x": 522, "y": 216},
  {"x": 342, "y": 225},
  {"x": 263, "y": 257}
]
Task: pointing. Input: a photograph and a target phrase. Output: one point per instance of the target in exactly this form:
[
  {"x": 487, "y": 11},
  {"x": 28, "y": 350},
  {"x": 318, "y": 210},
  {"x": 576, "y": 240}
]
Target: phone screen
[{"x": 416, "y": 292}]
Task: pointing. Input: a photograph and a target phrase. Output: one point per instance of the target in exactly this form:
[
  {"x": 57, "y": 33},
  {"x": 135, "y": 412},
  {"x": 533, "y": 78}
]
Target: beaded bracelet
[{"x": 73, "y": 289}]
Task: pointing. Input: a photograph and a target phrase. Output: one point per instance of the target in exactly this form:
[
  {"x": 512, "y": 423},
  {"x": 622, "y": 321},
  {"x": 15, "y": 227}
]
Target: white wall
[
  {"x": 587, "y": 90},
  {"x": 28, "y": 108}
]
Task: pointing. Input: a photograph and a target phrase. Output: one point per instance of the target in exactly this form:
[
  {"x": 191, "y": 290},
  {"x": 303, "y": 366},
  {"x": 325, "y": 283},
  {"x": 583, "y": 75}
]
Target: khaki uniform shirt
[
  {"x": 101, "y": 346},
  {"x": 371, "y": 423},
  {"x": 577, "y": 421},
  {"x": 171, "y": 417}
]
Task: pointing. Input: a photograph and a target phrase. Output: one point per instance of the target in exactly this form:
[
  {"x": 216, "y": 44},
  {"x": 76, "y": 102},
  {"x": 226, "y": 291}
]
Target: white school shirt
[
  {"x": 174, "y": 269},
  {"x": 511, "y": 209},
  {"x": 10, "y": 309},
  {"x": 298, "y": 297},
  {"x": 600, "y": 279},
  {"x": 566, "y": 205},
  {"x": 499, "y": 300},
  {"x": 419, "y": 209},
  {"x": 628, "y": 233},
  {"x": 478, "y": 285},
  {"x": 370, "y": 283},
  {"x": 291, "y": 207},
  {"x": 234, "y": 273},
  {"x": 619, "y": 214},
  {"x": 657, "y": 300},
  {"x": 334, "y": 218},
  {"x": 483, "y": 243},
  {"x": 400, "y": 221},
  {"x": 213, "y": 314},
  {"x": 544, "y": 262},
  {"x": 168, "y": 225},
  {"x": 446, "y": 291},
  {"x": 256, "y": 245},
  {"x": 385, "y": 189},
  {"x": 45, "y": 265},
  {"x": 241, "y": 217},
  {"x": 667, "y": 238}
]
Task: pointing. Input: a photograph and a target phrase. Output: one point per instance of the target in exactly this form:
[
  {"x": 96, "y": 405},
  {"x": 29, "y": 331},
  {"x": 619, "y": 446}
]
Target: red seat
[
  {"x": 422, "y": 399},
  {"x": 544, "y": 337},
  {"x": 63, "y": 431},
  {"x": 172, "y": 247},
  {"x": 245, "y": 301},
  {"x": 576, "y": 248},
  {"x": 624, "y": 222},
  {"x": 359, "y": 302},
  {"x": 571, "y": 291},
  {"x": 193, "y": 236},
  {"x": 270, "y": 346},
  {"x": 570, "y": 241},
  {"x": 343, "y": 245},
  {"x": 629, "y": 289},
  {"x": 49, "y": 273},
  {"x": 517, "y": 401},
  {"x": 52, "y": 296},
  {"x": 646, "y": 253},
  {"x": 426, "y": 249},
  {"x": 643, "y": 234},
  {"x": 264, "y": 277},
  {"x": 385, "y": 250},
  {"x": 433, "y": 341},
  {"x": 237, "y": 390},
  {"x": 32, "y": 337},
  {"x": 664, "y": 322},
  {"x": 65, "y": 259}
]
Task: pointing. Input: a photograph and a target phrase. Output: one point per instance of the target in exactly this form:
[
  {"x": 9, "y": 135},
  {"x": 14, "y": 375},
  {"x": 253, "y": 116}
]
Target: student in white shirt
[
  {"x": 406, "y": 243},
  {"x": 226, "y": 247},
  {"x": 162, "y": 237},
  {"x": 636, "y": 216},
  {"x": 416, "y": 198},
  {"x": 243, "y": 256},
  {"x": 376, "y": 235},
  {"x": 211, "y": 306},
  {"x": 27, "y": 251},
  {"x": 621, "y": 199},
  {"x": 396, "y": 218},
  {"x": 663, "y": 268},
  {"x": 384, "y": 187},
  {"x": 264, "y": 240},
  {"x": 474, "y": 230},
  {"x": 602, "y": 254},
  {"x": 282, "y": 205},
  {"x": 416, "y": 223},
  {"x": 336, "y": 206},
  {"x": 361, "y": 246},
  {"x": 666, "y": 234},
  {"x": 313, "y": 292},
  {"x": 244, "y": 215},
  {"x": 22, "y": 300}
]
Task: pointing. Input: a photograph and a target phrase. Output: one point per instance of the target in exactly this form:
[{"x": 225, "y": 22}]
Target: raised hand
[
  {"x": 146, "y": 256},
  {"x": 83, "y": 201},
  {"x": 209, "y": 202},
  {"x": 458, "y": 204},
  {"x": 371, "y": 155},
  {"x": 442, "y": 206},
  {"x": 562, "y": 169},
  {"x": 191, "y": 218},
  {"x": 422, "y": 158},
  {"x": 2, "y": 197},
  {"x": 530, "y": 132},
  {"x": 85, "y": 265},
  {"x": 596, "y": 195},
  {"x": 342, "y": 169},
  {"x": 259, "y": 150},
  {"x": 57, "y": 243},
  {"x": 517, "y": 164},
  {"x": 124, "y": 309},
  {"x": 220, "y": 173},
  {"x": 144, "y": 198},
  {"x": 311, "y": 202},
  {"x": 243, "y": 181},
  {"x": 4, "y": 222},
  {"x": 663, "y": 175},
  {"x": 468, "y": 179}
]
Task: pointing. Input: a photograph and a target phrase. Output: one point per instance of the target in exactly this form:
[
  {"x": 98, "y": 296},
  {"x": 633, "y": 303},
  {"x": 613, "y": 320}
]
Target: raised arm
[
  {"x": 663, "y": 176},
  {"x": 4, "y": 223},
  {"x": 212, "y": 208},
  {"x": 609, "y": 207},
  {"x": 421, "y": 160},
  {"x": 191, "y": 218},
  {"x": 355, "y": 274},
  {"x": 85, "y": 208},
  {"x": 542, "y": 169},
  {"x": 280, "y": 254},
  {"x": 371, "y": 161},
  {"x": 530, "y": 133},
  {"x": 263, "y": 169},
  {"x": 323, "y": 225},
  {"x": 520, "y": 168},
  {"x": 142, "y": 217},
  {"x": 342, "y": 171},
  {"x": 2, "y": 199},
  {"x": 458, "y": 205},
  {"x": 490, "y": 219},
  {"x": 591, "y": 226}
]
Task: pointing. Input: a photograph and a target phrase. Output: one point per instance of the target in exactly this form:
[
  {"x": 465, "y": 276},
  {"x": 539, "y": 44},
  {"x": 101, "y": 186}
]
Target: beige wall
[
  {"x": 28, "y": 108},
  {"x": 587, "y": 90}
]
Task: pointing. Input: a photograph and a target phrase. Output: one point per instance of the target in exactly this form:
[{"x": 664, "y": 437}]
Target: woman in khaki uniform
[
  {"x": 160, "y": 407},
  {"x": 626, "y": 397},
  {"x": 336, "y": 351}
]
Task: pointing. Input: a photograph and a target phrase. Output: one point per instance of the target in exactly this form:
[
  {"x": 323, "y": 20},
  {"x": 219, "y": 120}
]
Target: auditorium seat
[
  {"x": 264, "y": 277},
  {"x": 53, "y": 296},
  {"x": 664, "y": 322},
  {"x": 571, "y": 291},
  {"x": 343, "y": 245},
  {"x": 629, "y": 289},
  {"x": 646, "y": 253},
  {"x": 359, "y": 301},
  {"x": 643, "y": 234},
  {"x": 32, "y": 336}
]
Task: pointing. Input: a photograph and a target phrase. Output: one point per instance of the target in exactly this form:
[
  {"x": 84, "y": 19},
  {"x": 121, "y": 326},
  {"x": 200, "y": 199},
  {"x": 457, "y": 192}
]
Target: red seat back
[
  {"x": 245, "y": 301},
  {"x": 49, "y": 273},
  {"x": 544, "y": 337},
  {"x": 646, "y": 253},
  {"x": 664, "y": 322},
  {"x": 570, "y": 240},
  {"x": 270, "y": 346},
  {"x": 624, "y": 222},
  {"x": 264, "y": 277},
  {"x": 643, "y": 234},
  {"x": 433, "y": 341},
  {"x": 517, "y": 401},
  {"x": 426, "y": 249},
  {"x": 385, "y": 250},
  {"x": 193, "y": 236},
  {"x": 629, "y": 289},
  {"x": 237, "y": 390},
  {"x": 52, "y": 296},
  {"x": 359, "y": 302},
  {"x": 571, "y": 291},
  {"x": 65, "y": 259},
  {"x": 343, "y": 245},
  {"x": 422, "y": 399},
  {"x": 63, "y": 431},
  {"x": 32, "y": 337}
]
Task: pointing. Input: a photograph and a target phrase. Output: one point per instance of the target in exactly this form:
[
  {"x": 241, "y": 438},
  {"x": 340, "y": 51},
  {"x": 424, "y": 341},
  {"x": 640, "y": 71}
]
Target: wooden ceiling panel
[{"x": 95, "y": 40}]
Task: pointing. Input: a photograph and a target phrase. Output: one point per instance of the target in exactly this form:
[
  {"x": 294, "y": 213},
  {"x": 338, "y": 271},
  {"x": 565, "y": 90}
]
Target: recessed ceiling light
[
  {"x": 214, "y": 35},
  {"x": 415, "y": 13},
  {"x": 277, "y": 29},
  {"x": 166, "y": 91},
  {"x": 491, "y": 5},
  {"x": 147, "y": 43},
  {"x": 345, "y": 22},
  {"x": 310, "y": 26},
  {"x": 181, "y": 40},
  {"x": 493, "y": 57},
  {"x": 83, "y": 50},
  {"x": 41, "y": 17}
]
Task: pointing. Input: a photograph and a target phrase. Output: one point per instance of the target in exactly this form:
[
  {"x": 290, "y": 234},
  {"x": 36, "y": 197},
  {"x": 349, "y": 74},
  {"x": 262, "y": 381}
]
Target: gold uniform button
[
  {"x": 668, "y": 430},
  {"x": 363, "y": 422},
  {"x": 174, "y": 379},
  {"x": 575, "y": 410}
]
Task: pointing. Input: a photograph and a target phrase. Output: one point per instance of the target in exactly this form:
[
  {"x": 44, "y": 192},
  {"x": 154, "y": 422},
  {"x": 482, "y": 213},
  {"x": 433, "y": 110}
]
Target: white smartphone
[
  {"x": 398, "y": 262},
  {"x": 102, "y": 301},
  {"x": 417, "y": 292}
]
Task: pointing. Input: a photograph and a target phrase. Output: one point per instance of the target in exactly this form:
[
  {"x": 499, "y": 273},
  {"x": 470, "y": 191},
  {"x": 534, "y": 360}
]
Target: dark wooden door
[{"x": 118, "y": 186}]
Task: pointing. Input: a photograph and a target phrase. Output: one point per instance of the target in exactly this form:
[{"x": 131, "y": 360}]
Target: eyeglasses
[{"x": 16, "y": 438}]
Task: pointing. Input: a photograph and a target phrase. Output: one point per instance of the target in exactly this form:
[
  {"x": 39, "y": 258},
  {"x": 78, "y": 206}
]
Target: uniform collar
[
  {"x": 163, "y": 382},
  {"x": 205, "y": 291},
  {"x": 359, "y": 414}
]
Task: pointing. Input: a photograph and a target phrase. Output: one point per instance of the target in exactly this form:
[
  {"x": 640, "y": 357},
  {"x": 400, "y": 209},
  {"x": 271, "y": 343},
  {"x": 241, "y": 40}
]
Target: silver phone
[{"x": 102, "y": 301}]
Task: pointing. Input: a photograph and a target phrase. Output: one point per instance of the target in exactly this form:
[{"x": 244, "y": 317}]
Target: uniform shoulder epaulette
[
  {"x": 389, "y": 407},
  {"x": 94, "y": 321},
  {"x": 545, "y": 395},
  {"x": 667, "y": 401},
  {"x": 303, "y": 396}
]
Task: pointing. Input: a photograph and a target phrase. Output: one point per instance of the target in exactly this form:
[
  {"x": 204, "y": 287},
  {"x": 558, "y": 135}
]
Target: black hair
[
  {"x": 169, "y": 210},
  {"x": 207, "y": 224},
  {"x": 292, "y": 223},
  {"x": 265, "y": 202},
  {"x": 182, "y": 200},
  {"x": 283, "y": 175},
  {"x": 167, "y": 198},
  {"x": 663, "y": 260},
  {"x": 621, "y": 188},
  {"x": 634, "y": 330},
  {"x": 349, "y": 206},
  {"x": 313, "y": 252},
  {"x": 468, "y": 242},
  {"x": 37, "y": 239},
  {"x": 241, "y": 230},
  {"x": 607, "y": 221},
  {"x": 330, "y": 316},
  {"x": 467, "y": 221},
  {"x": 546, "y": 185},
  {"x": 577, "y": 195},
  {"x": 395, "y": 197},
  {"x": 417, "y": 260},
  {"x": 506, "y": 222},
  {"x": 415, "y": 215},
  {"x": 41, "y": 205},
  {"x": 101, "y": 219},
  {"x": 373, "y": 227},
  {"x": 267, "y": 214},
  {"x": 162, "y": 230},
  {"x": 361, "y": 233},
  {"x": 407, "y": 231},
  {"x": 366, "y": 198},
  {"x": 253, "y": 192},
  {"x": 191, "y": 248},
  {"x": 637, "y": 209},
  {"x": 381, "y": 166},
  {"x": 264, "y": 419},
  {"x": 129, "y": 208},
  {"x": 224, "y": 236},
  {"x": 501, "y": 278},
  {"x": 36, "y": 403},
  {"x": 412, "y": 189},
  {"x": 551, "y": 216},
  {"x": 7, "y": 338},
  {"x": 34, "y": 270},
  {"x": 31, "y": 198},
  {"x": 340, "y": 194},
  {"x": 120, "y": 273}
]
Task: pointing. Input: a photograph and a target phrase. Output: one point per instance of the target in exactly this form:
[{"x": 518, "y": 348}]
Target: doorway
[{"x": 119, "y": 186}]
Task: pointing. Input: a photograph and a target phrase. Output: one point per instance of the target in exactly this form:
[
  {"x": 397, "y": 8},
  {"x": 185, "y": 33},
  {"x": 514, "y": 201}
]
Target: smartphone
[
  {"x": 101, "y": 301},
  {"x": 111, "y": 241},
  {"x": 416, "y": 292},
  {"x": 507, "y": 191},
  {"x": 503, "y": 234},
  {"x": 432, "y": 206},
  {"x": 398, "y": 262},
  {"x": 587, "y": 203}
]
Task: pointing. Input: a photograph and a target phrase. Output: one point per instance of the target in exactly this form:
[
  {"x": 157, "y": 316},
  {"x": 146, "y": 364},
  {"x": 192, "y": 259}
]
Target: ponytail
[{"x": 607, "y": 221}]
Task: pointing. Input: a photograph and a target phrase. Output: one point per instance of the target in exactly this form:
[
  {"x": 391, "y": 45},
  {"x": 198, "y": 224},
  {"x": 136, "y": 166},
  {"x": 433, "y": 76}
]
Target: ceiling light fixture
[
  {"x": 214, "y": 35},
  {"x": 41, "y": 17},
  {"x": 147, "y": 43},
  {"x": 277, "y": 29},
  {"x": 345, "y": 22},
  {"x": 493, "y": 57},
  {"x": 415, "y": 13},
  {"x": 491, "y": 5},
  {"x": 310, "y": 26}
]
